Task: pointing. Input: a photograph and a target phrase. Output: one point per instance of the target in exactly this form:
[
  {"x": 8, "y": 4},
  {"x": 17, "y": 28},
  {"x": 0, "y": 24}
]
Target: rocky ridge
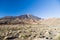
[{"x": 23, "y": 19}]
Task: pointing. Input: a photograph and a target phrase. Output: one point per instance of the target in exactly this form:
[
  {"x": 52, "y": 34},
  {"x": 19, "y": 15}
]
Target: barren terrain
[
  {"x": 29, "y": 32},
  {"x": 29, "y": 27}
]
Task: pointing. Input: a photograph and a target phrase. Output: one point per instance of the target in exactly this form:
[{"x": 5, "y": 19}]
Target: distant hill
[
  {"x": 22, "y": 19},
  {"x": 55, "y": 22}
]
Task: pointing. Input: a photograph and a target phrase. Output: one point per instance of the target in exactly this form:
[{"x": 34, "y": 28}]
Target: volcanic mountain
[{"x": 23, "y": 19}]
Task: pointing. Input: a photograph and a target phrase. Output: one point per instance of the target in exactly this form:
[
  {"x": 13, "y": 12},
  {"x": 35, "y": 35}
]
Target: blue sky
[{"x": 40, "y": 8}]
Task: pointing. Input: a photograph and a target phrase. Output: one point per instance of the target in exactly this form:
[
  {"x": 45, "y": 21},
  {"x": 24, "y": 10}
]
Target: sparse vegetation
[
  {"x": 28, "y": 27},
  {"x": 28, "y": 32}
]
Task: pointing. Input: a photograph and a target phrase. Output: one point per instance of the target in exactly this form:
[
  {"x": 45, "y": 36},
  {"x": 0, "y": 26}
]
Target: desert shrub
[{"x": 25, "y": 36}]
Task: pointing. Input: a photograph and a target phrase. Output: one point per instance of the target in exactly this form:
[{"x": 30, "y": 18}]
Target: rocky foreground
[
  {"x": 29, "y": 32},
  {"x": 29, "y": 27}
]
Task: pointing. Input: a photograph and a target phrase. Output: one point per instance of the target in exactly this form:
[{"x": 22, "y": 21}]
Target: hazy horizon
[{"x": 39, "y": 8}]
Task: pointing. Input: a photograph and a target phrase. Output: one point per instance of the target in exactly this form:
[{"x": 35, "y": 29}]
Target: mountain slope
[
  {"x": 23, "y": 19},
  {"x": 51, "y": 22}
]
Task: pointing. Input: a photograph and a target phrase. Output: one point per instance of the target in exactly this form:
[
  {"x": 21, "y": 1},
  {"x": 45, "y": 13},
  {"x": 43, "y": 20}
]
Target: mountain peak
[{"x": 27, "y": 18}]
